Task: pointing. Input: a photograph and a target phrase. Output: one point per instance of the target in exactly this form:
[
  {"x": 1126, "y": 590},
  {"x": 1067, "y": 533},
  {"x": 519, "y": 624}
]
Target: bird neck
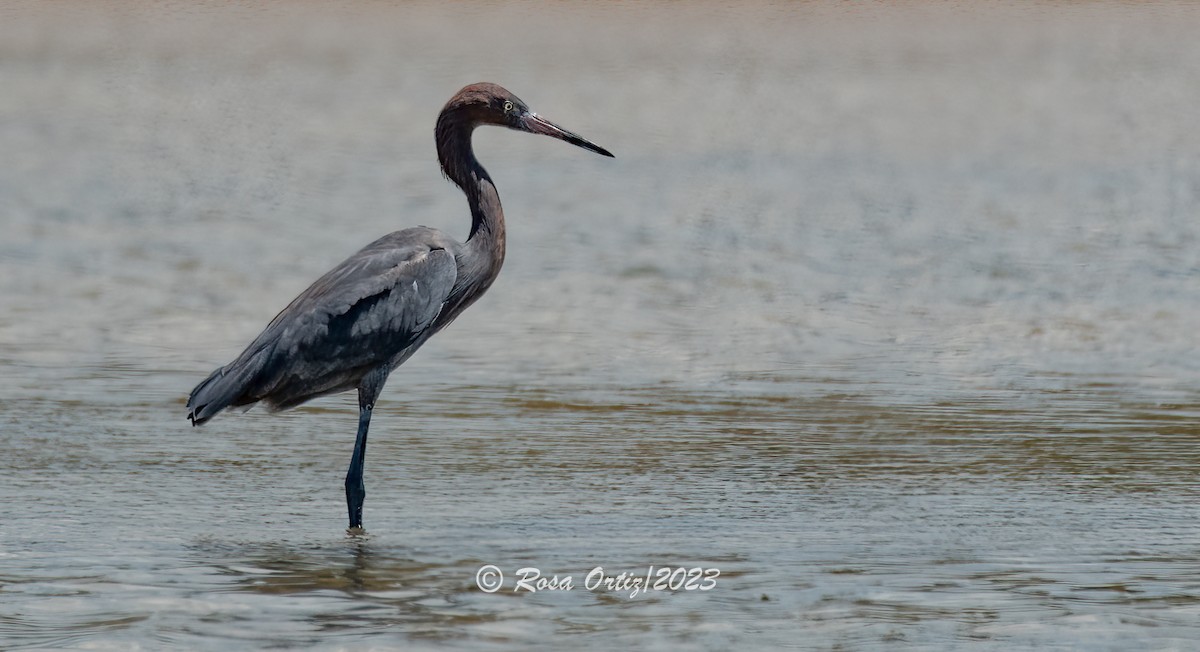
[{"x": 458, "y": 162}]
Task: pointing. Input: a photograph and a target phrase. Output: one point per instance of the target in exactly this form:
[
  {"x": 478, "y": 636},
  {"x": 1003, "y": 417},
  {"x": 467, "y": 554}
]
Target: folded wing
[{"x": 371, "y": 310}]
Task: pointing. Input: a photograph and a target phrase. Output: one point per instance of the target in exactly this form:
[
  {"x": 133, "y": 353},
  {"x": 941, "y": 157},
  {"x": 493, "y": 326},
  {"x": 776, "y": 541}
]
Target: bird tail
[{"x": 229, "y": 385}]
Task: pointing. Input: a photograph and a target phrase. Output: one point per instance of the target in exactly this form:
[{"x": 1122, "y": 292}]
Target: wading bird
[{"x": 368, "y": 315}]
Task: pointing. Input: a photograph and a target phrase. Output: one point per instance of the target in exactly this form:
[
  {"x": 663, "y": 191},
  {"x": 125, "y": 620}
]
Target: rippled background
[{"x": 887, "y": 313}]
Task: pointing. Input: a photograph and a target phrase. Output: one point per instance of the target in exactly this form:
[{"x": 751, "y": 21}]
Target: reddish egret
[{"x": 368, "y": 315}]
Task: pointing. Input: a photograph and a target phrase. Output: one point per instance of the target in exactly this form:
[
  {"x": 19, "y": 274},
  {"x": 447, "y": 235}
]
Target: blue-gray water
[{"x": 886, "y": 313}]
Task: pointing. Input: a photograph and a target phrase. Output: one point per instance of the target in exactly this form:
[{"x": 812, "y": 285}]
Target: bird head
[{"x": 490, "y": 104}]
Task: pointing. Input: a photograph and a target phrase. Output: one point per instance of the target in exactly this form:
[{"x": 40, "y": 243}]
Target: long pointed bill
[{"x": 536, "y": 124}]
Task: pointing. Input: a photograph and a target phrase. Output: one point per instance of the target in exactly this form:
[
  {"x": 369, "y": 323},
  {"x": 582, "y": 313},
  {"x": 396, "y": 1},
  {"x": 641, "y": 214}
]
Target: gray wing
[{"x": 367, "y": 311}]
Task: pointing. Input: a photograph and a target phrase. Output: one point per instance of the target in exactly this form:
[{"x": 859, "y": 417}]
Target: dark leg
[{"x": 356, "y": 491}]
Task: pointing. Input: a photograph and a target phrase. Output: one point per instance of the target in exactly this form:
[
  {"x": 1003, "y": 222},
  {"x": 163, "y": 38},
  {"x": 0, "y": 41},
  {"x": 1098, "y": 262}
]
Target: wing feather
[{"x": 375, "y": 307}]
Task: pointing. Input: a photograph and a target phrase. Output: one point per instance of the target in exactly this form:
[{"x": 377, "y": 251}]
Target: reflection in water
[
  {"x": 888, "y": 315},
  {"x": 377, "y": 588}
]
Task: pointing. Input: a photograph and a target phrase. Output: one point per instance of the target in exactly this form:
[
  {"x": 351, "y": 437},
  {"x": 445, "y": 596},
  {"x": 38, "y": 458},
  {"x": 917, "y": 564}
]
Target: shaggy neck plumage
[{"x": 457, "y": 158}]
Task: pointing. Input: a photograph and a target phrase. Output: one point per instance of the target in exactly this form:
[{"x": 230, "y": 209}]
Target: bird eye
[{"x": 508, "y": 107}]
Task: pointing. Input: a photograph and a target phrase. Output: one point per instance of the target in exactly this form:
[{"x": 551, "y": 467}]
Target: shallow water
[{"x": 886, "y": 314}]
